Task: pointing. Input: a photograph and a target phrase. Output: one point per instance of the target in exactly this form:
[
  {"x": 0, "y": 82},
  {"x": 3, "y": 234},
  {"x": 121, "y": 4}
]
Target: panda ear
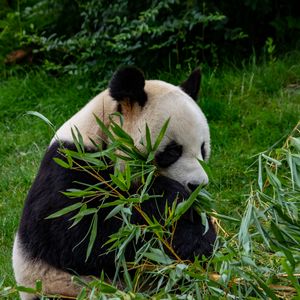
[
  {"x": 127, "y": 84},
  {"x": 192, "y": 85}
]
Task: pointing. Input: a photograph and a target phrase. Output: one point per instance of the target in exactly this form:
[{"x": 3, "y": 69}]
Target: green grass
[{"x": 248, "y": 109}]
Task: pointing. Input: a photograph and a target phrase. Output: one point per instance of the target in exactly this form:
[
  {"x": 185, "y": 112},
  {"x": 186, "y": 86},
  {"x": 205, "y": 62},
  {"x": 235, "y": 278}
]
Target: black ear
[
  {"x": 128, "y": 84},
  {"x": 192, "y": 85}
]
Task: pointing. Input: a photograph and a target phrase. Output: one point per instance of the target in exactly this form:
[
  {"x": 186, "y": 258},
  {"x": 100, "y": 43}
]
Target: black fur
[
  {"x": 192, "y": 85},
  {"x": 52, "y": 241},
  {"x": 169, "y": 155},
  {"x": 128, "y": 84},
  {"x": 189, "y": 239},
  {"x": 203, "y": 151}
]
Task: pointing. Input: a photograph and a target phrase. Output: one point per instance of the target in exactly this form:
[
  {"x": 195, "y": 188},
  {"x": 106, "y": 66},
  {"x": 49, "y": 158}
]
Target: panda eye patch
[
  {"x": 169, "y": 155},
  {"x": 203, "y": 152}
]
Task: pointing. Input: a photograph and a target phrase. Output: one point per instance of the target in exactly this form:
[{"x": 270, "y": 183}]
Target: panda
[{"x": 47, "y": 249}]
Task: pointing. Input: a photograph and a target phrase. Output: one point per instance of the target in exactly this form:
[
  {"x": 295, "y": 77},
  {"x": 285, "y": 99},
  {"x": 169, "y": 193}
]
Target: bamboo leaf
[
  {"x": 148, "y": 140},
  {"x": 295, "y": 142},
  {"x": 128, "y": 176},
  {"x": 38, "y": 286},
  {"x": 266, "y": 289},
  {"x": 122, "y": 134},
  {"x": 244, "y": 236},
  {"x": 158, "y": 256},
  {"x": 260, "y": 180},
  {"x": 182, "y": 207},
  {"x": 119, "y": 183},
  {"x": 42, "y": 117},
  {"x": 273, "y": 178},
  {"x": 161, "y": 135},
  {"x": 62, "y": 163},
  {"x": 271, "y": 159},
  {"x": 26, "y": 289},
  {"x": 104, "y": 129},
  {"x": 114, "y": 211},
  {"x": 65, "y": 210},
  {"x": 93, "y": 236}
]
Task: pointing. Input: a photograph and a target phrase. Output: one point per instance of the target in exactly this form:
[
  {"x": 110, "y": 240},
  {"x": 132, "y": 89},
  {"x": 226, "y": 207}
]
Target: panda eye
[
  {"x": 169, "y": 155},
  {"x": 203, "y": 151}
]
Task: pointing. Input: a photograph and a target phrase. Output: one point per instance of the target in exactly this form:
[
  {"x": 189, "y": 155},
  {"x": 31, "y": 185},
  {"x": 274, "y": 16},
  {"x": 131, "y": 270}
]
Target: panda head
[{"x": 153, "y": 102}]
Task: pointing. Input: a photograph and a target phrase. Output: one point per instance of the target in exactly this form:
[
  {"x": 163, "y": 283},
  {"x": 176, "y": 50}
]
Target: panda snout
[{"x": 192, "y": 186}]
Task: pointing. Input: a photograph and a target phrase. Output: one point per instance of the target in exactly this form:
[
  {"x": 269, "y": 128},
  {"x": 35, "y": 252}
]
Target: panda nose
[{"x": 192, "y": 186}]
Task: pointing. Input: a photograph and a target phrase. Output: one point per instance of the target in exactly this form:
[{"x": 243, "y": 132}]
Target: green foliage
[
  {"x": 10, "y": 27},
  {"x": 248, "y": 110},
  {"x": 111, "y": 33},
  {"x": 123, "y": 32},
  {"x": 270, "y": 224},
  {"x": 77, "y": 37}
]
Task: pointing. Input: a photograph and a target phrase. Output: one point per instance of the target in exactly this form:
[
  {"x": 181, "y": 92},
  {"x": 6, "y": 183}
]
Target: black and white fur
[{"x": 47, "y": 249}]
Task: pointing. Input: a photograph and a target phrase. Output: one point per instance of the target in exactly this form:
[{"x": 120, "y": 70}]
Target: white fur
[
  {"x": 187, "y": 126},
  {"x": 101, "y": 106},
  {"x": 54, "y": 281}
]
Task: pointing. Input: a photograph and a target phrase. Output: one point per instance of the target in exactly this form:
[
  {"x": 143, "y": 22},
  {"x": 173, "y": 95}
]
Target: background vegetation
[
  {"x": 250, "y": 94},
  {"x": 96, "y": 36}
]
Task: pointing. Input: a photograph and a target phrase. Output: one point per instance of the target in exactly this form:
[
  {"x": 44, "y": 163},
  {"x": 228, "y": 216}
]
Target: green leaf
[
  {"x": 104, "y": 129},
  {"x": 264, "y": 234},
  {"x": 204, "y": 222},
  {"x": 158, "y": 256},
  {"x": 182, "y": 207},
  {"x": 38, "y": 286},
  {"x": 120, "y": 184},
  {"x": 147, "y": 183},
  {"x": 77, "y": 140},
  {"x": 121, "y": 133},
  {"x": 65, "y": 210},
  {"x": 224, "y": 217},
  {"x": 243, "y": 235},
  {"x": 62, "y": 163},
  {"x": 266, "y": 289},
  {"x": 150, "y": 157},
  {"x": 293, "y": 279},
  {"x": 84, "y": 211},
  {"x": 42, "y": 117},
  {"x": 126, "y": 275},
  {"x": 271, "y": 159},
  {"x": 114, "y": 211},
  {"x": 106, "y": 288},
  {"x": 161, "y": 135},
  {"x": 82, "y": 295},
  {"x": 148, "y": 140},
  {"x": 78, "y": 217},
  {"x": 93, "y": 235},
  {"x": 128, "y": 175},
  {"x": 295, "y": 142},
  {"x": 26, "y": 289},
  {"x": 260, "y": 180},
  {"x": 273, "y": 178}
]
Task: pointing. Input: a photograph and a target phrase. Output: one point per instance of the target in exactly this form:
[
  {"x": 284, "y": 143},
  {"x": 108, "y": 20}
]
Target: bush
[
  {"x": 82, "y": 36},
  {"x": 151, "y": 33}
]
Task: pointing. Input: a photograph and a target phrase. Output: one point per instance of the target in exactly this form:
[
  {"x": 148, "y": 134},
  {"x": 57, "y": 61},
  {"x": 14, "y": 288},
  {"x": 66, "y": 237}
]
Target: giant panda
[{"x": 47, "y": 249}]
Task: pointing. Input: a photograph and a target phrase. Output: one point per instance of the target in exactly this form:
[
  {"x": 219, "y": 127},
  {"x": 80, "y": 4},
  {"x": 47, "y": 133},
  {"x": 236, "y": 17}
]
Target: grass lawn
[{"x": 248, "y": 109}]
